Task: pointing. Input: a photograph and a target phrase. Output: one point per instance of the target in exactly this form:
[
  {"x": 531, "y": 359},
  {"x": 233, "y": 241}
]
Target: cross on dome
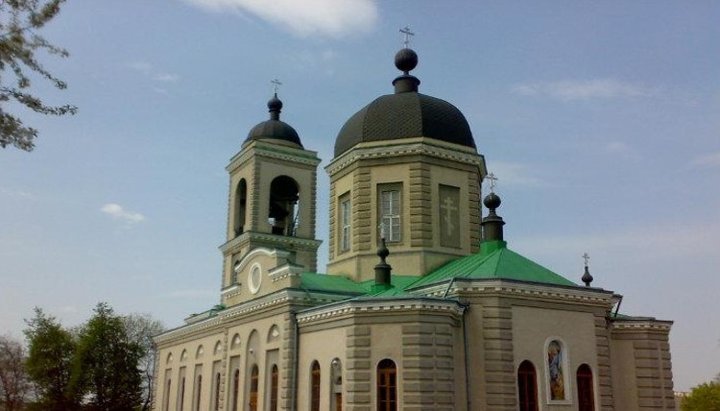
[
  {"x": 492, "y": 179},
  {"x": 406, "y": 31},
  {"x": 276, "y": 85},
  {"x": 586, "y": 257}
]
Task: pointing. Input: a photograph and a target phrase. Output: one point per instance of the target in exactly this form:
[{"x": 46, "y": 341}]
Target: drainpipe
[
  {"x": 296, "y": 358},
  {"x": 466, "y": 307}
]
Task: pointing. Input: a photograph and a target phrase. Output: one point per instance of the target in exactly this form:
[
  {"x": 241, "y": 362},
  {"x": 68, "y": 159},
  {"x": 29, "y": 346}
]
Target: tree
[
  {"x": 20, "y": 21},
  {"x": 141, "y": 328},
  {"x": 50, "y": 354},
  {"x": 704, "y": 397},
  {"x": 105, "y": 368},
  {"x": 14, "y": 384}
]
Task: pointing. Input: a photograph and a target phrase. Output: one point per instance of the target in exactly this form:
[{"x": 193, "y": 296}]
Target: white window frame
[
  {"x": 390, "y": 209},
  {"x": 345, "y": 223}
]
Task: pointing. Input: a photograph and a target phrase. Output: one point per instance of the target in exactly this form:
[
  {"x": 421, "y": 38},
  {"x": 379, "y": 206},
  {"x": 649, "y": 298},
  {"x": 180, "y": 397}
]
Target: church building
[{"x": 423, "y": 304}]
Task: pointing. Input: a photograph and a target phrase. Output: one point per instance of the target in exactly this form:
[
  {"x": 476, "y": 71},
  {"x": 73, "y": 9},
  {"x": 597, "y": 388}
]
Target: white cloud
[
  {"x": 167, "y": 77},
  {"x": 569, "y": 90},
  {"x": 151, "y": 72},
  {"x": 708, "y": 160},
  {"x": 21, "y": 194},
  {"x": 117, "y": 212},
  {"x": 333, "y": 18}
]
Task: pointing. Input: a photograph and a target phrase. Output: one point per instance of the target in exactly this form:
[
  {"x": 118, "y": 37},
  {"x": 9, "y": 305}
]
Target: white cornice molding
[
  {"x": 406, "y": 147},
  {"x": 237, "y": 242},
  {"x": 468, "y": 287},
  {"x": 285, "y": 271},
  {"x": 376, "y": 306},
  {"x": 245, "y": 309},
  {"x": 649, "y": 324},
  {"x": 275, "y": 151}
]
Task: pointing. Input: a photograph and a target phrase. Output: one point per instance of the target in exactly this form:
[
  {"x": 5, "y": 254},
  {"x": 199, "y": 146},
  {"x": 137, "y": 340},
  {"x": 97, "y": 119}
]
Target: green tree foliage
[
  {"x": 20, "y": 21},
  {"x": 14, "y": 383},
  {"x": 50, "y": 353},
  {"x": 105, "y": 367},
  {"x": 704, "y": 397}
]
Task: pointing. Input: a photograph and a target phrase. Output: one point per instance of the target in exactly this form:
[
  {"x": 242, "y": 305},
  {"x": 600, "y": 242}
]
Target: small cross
[
  {"x": 492, "y": 179},
  {"x": 586, "y": 257},
  {"x": 406, "y": 31},
  {"x": 276, "y": 84}
]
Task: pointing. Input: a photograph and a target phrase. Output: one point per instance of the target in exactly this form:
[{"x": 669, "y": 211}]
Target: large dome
[
  {"x": 274, "y": 129},
  {"x": 404, "y": 114}
]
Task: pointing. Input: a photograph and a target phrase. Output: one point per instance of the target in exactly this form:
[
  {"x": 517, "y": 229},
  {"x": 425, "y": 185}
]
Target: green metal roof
[
  {"x": 343, "y": 285},
  {"x": 330, "y": 283},
  {"x": 494, "y": 261}
]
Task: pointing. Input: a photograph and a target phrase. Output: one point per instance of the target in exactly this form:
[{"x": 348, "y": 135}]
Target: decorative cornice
[
  {"x": 247, "y": 236},
  {"x": 251, "y": 307},
  {"x": 376, "y": 306},
  {"x": 285, "y": 271},
  {"x": 406, "y": 147},
  {"x": 468, "y": 287},
  {"x": 275, "y": 151},
  {"x": 646, "y": 324}
]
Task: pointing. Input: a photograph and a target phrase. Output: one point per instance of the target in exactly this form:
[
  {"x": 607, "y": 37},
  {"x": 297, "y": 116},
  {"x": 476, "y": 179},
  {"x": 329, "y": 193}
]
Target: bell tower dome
[{"x": 272, "y": 196}]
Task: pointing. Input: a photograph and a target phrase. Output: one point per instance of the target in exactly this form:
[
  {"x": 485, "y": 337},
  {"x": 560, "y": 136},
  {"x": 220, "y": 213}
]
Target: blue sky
[{"x": 600, "y": 119}]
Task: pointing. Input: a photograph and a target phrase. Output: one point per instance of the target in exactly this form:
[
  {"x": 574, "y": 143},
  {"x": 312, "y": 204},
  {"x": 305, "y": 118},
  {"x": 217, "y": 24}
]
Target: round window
[{"x": 255, "y": 278}]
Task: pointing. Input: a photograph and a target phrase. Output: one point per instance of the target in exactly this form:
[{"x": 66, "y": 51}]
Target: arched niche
[
  {"x": 240, "y": 212},
  {"x": 283, "y": 209}
]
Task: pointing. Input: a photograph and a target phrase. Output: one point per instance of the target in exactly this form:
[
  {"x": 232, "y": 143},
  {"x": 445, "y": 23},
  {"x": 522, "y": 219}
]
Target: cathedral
[{"x": 423, "y": 304}]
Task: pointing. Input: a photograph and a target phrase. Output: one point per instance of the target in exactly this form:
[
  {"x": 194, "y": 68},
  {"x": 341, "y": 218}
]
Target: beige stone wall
[
  {"x": 535, "y": 327},
  {"x": 419, "y": 168},
  {"x": 259, "y": 163},
  {"x": 641, "y": 366},
  {"x": 423, "y": 345},
  {"x": 235, "y": 344}
]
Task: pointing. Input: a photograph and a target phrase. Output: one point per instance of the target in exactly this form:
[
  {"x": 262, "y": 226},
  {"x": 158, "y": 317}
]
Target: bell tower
[{"x": 271, "y": 197}]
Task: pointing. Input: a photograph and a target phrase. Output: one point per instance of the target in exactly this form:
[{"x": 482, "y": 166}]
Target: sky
[{"x": 600, "y": 120}]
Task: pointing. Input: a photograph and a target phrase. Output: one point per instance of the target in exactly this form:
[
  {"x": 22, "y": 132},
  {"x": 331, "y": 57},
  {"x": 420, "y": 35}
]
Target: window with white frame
[
  {"x": 345, "y": 219},
  {"x": 390, "y": 205}
]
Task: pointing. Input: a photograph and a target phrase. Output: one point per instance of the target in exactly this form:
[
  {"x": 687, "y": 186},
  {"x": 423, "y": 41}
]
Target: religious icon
[{"x": 555, "y": 365}]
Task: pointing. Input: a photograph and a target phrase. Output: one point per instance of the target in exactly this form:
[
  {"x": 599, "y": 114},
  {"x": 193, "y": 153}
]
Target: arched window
[
  {"x": 167, "y": 395},
  {"x": 336, "y": 388},
  {"x": 386, "y": 386},
  {"x": 527, "y": 387},
  {"x": 315, "y": 387},
  {"x": 181, "y": 402},
  {"x": 274, "y": 374},
  {"x": 586, "y": 397},
  {"x": 283, "y": 208},
  {"x": 216, "y": 406},
  {"x": 235, "y": 390},
  {"x": 198, "y": 391},
  {"x": 556, "y": 370},
  {"x": 240, "y": 207},
  {"x": 254, "y": 388}
]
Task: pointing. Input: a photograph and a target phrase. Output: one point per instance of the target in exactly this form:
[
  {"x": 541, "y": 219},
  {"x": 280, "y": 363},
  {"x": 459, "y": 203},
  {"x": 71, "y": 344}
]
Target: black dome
[
  {"x": 274, "y": 129},
  {"x": 403, "y": 115}
]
